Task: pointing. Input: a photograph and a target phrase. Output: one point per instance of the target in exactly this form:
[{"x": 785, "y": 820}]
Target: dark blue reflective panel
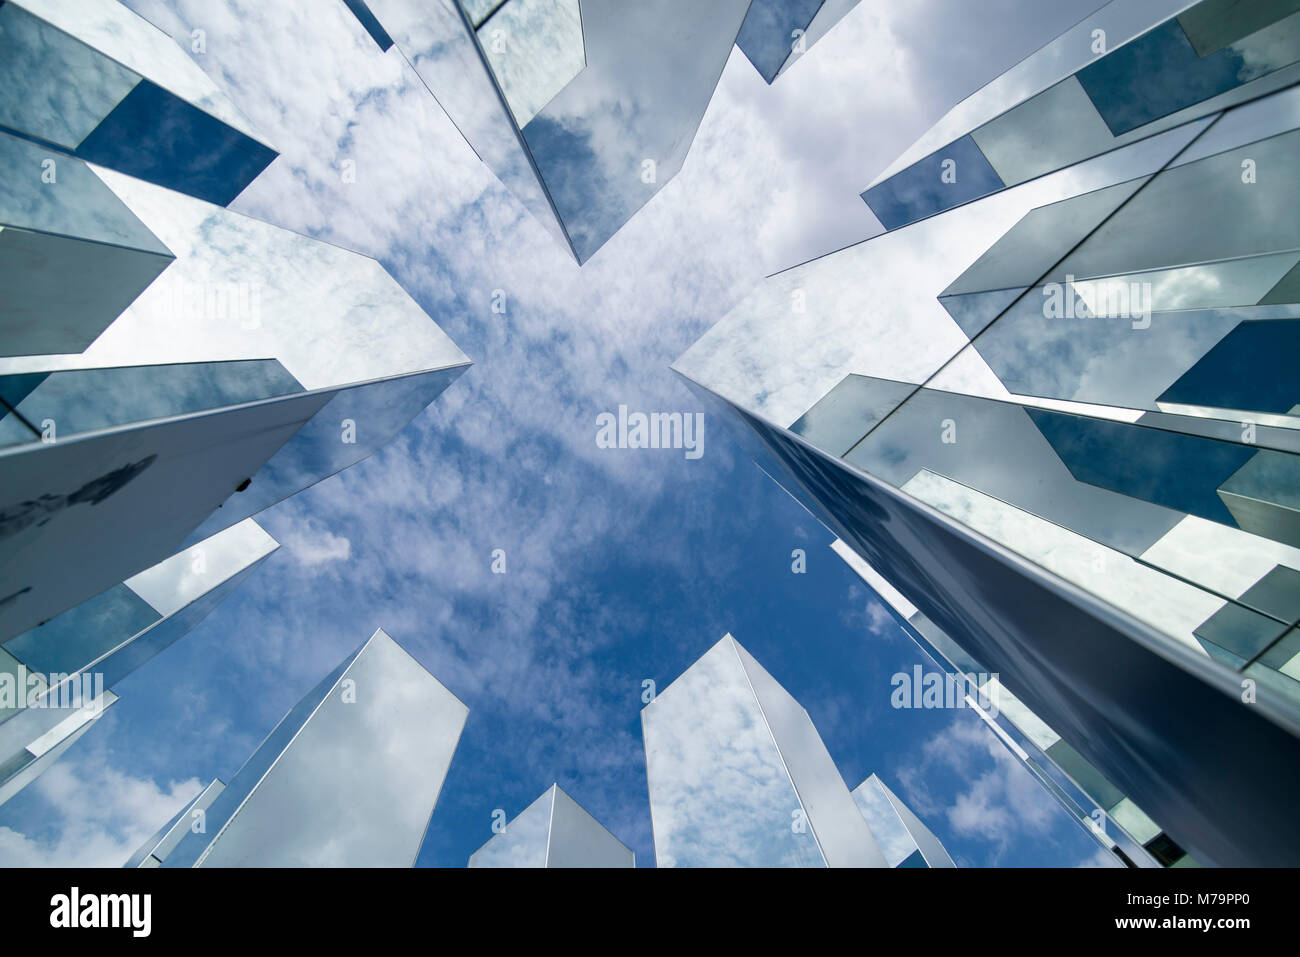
[
  {"x": 1182, "y": 472},
  {"x": 72, "y": 640},
  {"x": 15, "y": 388},
  {"x": 158, "y": 137},
  {"x": 1159, "y": 73},
  {"x": 83, "y": 400},
  {"x": 591, "y": 204},
  {"x": 914, "y": 860},
  {"x": 765, "y": 36},
  {"x": 921, "y": 189},
  {"x": 1252, "y": 369},
  {"x": 372, "y": 25}
]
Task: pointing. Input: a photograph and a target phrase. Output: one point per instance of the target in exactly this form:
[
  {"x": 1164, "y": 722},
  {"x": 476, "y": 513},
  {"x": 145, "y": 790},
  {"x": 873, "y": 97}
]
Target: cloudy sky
[{"x": 622, "y": 565}]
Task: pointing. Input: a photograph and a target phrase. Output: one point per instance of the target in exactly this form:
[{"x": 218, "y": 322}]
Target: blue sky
[{"x": 622, "y": 565}]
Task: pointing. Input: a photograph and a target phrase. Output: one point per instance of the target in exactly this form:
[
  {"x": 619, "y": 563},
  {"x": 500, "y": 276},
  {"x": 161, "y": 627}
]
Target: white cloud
[
  {"x": 98, "y": 815},
  {"x": 312, "y": 544}
]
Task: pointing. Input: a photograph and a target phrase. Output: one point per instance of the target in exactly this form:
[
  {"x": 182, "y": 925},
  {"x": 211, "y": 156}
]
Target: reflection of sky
[
  {"x": 1120, "y": 19},
  {"x": 174, "y": 583},
  {"x": 719, "y": 792},
  {"x": 111, "y": 27},
  {"x": 523, "y": 842},
  {"x": 888, "y": 830},
  {"x": 641, "y": 97},
  {"x": 313, "y": 306},
  {"x": 36, "y": 62},
  {"x": 534, "y": 47},
  {"x": 1160, "y": 73},
  {"x": 765, "y": 36},
  {"x": 855, "y": 300},
  {"x": 553, "y": 831},
  {"x": 358, "y": 783}
]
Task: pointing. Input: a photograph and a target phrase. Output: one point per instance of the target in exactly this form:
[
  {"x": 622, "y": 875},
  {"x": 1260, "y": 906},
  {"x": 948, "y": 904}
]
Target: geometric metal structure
[
  {"x": 583, "y": 109},
  {"x": 739, "y": 777},
  {"x": 1125, "y": 72},
  {"x": 777, "y": 32},
  {"x": 1100, "y": 808},
  {"x": 94, "y": 80},
  {"x": 553, "y": 831},
  {"x": 256, "y": 364},
  {"x": 904, "y": 840},
  {"x": 348, "y": 778},
  {"x": 1055, "y": 415},
  {"x": 63, "y": 671}
]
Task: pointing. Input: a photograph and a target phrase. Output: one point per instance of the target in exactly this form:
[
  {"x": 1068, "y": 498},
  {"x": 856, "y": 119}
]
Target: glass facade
[
  {"x": 739, "y": 777},
  {"x": 61, "y": 672},
  {"x": 209, "y": 365},
  {"x": 553, "y": 831},
  {"x": 348, "y": 778},
  {"x": 1072, "y": 381},
  {"x": 777, "y": 32},
  {"x": 583, "y": 110},
  {"x": 1085, "y": 95},
  {"x": 93, "y": 80},
  {"x": 1080, "y": 789},
  {"x": 903, "y": 839}
]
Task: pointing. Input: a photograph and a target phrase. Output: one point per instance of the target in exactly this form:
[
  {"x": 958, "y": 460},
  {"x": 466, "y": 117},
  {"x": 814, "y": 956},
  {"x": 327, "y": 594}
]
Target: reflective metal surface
[
  {"x": 739, "y": 777},
  {"x": 349, "y": 778},
  {"x": 553, "y": 831}
]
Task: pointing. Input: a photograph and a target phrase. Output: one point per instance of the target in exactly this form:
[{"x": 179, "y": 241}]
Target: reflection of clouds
[
  {"x": 1090, "y": 360},
  {"x": 172, "y": 584},
  {"x": 112, "y": 28},
  {"x": 553, "y": 831},
  {"x": 523, "y": 842},
  {"x": 321, "y": 308},
  {"x": 764, "y": 184},
  {"x": 1269, "y": 49},
  {"x": 534, "y": 48},
  {"x": 96, "y": 815},
  {"x": 872, "y": 308},
  {"x": 1226, "y": 559},
  {"x": 359, "y": 781},
  {"x": 888, "y": 830},
  {"x": 719, "y": 794},
  {"x": 651, "y": 71},
  {"x": 82, "y": 206},
  {"x": 59, "y": 111},
  {"x": 1165, "y": 603},
  {"x": 1120, "y": 19}
]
